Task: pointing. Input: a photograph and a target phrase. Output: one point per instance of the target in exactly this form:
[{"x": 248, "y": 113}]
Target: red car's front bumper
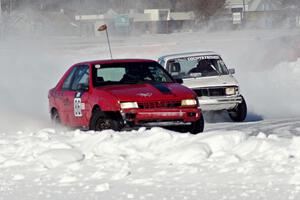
[{"x": 163, "y": 117}]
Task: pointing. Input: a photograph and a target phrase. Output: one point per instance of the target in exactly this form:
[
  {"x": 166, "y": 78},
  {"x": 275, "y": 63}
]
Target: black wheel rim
[{"x": 102, "y": 124}]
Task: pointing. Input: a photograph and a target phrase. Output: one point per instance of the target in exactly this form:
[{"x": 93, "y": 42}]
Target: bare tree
[
  {"x": 294, "y": 4},
  {"x": 203, "y": 8},
  {"x": 208, "y": 8}
]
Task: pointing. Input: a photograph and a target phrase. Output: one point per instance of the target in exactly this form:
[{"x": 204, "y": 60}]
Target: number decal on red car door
[{"x": 77, "y": 105}]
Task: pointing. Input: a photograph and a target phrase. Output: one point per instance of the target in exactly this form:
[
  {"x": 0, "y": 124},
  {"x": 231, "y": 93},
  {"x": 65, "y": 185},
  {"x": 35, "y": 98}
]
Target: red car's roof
[{"x": 116, "y": 61}]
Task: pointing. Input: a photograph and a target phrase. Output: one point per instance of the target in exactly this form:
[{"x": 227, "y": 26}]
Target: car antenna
[{"x": 104, "y": 28}]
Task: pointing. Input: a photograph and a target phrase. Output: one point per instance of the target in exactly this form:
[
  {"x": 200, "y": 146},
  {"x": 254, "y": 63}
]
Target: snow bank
[
  {"x": 109, "y": 162},
  {"x": 152, "y": 144},
  {"x": 263, "y": 148},
  {"x": 56, "y": 157},
  {"x": 158, "y": 145}
]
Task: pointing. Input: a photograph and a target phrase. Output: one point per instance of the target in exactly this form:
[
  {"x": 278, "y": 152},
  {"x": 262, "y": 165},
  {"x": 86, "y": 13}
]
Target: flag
[{"x": 102, "y": 27}]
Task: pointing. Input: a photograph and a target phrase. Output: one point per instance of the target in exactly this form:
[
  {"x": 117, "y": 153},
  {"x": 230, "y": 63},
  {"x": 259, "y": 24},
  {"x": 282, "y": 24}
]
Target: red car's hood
[{"x": 149, "y": 92}]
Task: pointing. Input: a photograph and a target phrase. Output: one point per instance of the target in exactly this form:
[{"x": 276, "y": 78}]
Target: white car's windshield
[{"x": 197, "y": 66}]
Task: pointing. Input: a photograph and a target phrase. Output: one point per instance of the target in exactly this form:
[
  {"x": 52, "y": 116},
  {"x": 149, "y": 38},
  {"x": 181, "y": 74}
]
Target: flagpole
[
  {"x": 108, "y": 42},
  {"x": 104, "y": 28}
]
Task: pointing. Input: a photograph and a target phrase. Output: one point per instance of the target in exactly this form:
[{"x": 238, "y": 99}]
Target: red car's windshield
[{"x": 129, "y": 73}]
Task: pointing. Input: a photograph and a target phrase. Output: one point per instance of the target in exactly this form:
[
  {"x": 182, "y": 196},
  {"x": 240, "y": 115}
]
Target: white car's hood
[{"x": 211, "y": 81}]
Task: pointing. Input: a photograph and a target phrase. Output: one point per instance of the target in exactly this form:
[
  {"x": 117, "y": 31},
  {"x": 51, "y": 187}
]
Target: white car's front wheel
[{"x": 239, "y": 113}]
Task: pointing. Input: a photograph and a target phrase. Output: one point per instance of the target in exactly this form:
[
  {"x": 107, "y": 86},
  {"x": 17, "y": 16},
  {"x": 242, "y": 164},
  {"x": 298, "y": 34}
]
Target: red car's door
[
  {"x": 79, "y": 97},
  {"x": 68, "y": 97},
  {"x": 63, "y": 99}
]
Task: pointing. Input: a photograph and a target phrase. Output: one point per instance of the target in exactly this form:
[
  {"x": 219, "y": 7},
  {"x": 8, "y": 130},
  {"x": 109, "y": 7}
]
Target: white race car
[{"x": 208, "y": 76}]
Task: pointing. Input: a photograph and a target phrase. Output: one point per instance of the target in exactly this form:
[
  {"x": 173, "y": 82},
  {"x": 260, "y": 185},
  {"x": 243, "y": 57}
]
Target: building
[
  {"x": 261, "y": 14},
  {"x": 151, "y": 21},
  {"x": 254, "y": 5}
]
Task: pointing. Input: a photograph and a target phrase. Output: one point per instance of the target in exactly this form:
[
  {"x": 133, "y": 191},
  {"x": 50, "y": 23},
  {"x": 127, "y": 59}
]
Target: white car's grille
[{"x": 210, "y": 92}]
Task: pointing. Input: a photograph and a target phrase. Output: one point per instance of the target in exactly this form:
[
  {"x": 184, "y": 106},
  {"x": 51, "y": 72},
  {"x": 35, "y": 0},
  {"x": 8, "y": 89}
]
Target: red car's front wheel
[
  {"x": 100, "y": 121},
  {"x": 197, "y": 126}
]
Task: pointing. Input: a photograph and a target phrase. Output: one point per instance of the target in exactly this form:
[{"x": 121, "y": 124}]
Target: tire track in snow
[{"x": 280, "y": 127}]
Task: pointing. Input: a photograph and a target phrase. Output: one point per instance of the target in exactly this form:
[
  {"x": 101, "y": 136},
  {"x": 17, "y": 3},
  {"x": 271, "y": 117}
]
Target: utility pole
[
  {"x": 244, "y": 5},
  {"x": 244, "y": 10},
  {"x": 123, "y": 6},
  {"x": 80, "y": 16},
  {"x": 1, "y": 21},
  {"x": 10, "y": 7}
]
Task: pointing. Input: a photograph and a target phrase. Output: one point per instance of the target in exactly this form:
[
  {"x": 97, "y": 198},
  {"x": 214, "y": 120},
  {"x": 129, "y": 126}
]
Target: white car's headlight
[
  {"x": 126, "y": 105},
  {"x": 231, "y": 91},
  {"x": 189, "y": 102}
]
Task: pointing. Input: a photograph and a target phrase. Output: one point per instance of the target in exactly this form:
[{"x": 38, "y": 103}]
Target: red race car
[{"x": 118, "y": 94}]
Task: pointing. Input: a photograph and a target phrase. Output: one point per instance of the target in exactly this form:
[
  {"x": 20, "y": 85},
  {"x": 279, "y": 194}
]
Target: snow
[
  {"x": 38, "y": 63},
  {"x": 55, "y": 157},
  {"x": 149, "y": 163},
  {"x": 257, "y": 159},
  {"x": 101, "y": 188},
  {"x": 281, "y": 80}
]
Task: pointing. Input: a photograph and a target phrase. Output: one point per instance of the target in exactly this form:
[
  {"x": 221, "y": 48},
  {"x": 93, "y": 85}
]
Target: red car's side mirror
[{"x": 82, "y": 87}]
